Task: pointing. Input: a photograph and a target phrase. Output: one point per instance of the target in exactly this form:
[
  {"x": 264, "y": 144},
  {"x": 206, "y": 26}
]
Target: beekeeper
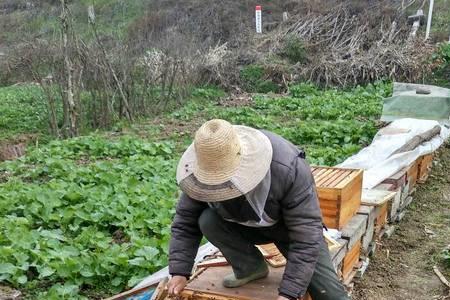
[{"x": 243, "y": 187}]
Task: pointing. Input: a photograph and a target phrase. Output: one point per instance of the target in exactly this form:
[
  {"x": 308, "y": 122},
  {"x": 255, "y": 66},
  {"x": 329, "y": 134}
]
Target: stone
[{"x": 354, "y": 230}]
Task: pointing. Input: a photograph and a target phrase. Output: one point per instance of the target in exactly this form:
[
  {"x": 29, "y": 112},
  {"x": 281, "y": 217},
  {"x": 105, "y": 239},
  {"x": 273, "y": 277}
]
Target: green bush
[
  {"x": 253, "y": 81},
  {"x": 294, "y": 50},
  {"x": 441, "y": 61},
  {"x": 23, "y": 109}
]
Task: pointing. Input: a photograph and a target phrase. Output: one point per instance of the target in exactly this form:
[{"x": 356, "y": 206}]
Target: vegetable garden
[{"x": 90, "y": 216}]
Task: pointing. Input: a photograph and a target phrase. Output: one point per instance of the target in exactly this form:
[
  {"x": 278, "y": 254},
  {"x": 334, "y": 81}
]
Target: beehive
[
  {"x": 425, "y": 163},
  {"x": 339, "y": 191},
  {"x": 351, "y": 259},
  {"x": 411, "y": 174},
  {"x": 381, "y": 217}
]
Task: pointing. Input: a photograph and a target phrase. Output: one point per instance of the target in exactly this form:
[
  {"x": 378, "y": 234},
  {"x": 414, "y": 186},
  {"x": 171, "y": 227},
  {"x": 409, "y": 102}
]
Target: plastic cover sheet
[
  {"x": 203, "y": 251},
  {"x": 376, "y": 159},
  {"x": 407, "y": 103}
]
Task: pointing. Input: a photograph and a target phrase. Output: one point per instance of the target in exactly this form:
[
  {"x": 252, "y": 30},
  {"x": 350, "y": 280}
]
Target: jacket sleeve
[
  {"x": 303, "y": 219},
  {"x": 186, "y": 236}
]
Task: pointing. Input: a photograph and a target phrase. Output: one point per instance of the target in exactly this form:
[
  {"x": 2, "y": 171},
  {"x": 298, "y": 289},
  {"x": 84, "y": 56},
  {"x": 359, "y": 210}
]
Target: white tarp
[
  {"x": 376, "y": 159},
  {"x": 203, "y": 251}
]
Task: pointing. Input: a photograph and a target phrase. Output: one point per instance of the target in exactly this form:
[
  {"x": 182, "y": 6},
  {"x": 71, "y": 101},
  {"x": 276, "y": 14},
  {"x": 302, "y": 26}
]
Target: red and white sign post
[{"x": 258, "y": 19}]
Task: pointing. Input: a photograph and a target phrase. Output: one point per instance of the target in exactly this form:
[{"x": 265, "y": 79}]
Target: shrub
[
  {"x": 294, "y": 50},
  {"x": 441, "y": 63},
  {"x": 253, "y": 80}
]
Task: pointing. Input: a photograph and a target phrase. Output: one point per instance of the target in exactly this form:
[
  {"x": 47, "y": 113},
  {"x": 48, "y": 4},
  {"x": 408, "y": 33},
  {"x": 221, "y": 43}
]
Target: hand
[
  {"x": 176, "y": 285},
  {"x": 282, "y": 298}
]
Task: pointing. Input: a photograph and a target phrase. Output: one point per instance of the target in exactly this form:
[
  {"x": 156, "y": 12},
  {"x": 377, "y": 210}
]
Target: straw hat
[{"x": 225, "y": 161}]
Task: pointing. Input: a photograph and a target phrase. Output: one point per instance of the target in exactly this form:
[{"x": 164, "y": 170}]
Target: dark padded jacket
[{"x": 292, "y": 199}]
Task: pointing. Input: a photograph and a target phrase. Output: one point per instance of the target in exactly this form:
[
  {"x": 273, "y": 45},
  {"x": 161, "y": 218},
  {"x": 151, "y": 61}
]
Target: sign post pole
[{"x": 258, "y": 19}]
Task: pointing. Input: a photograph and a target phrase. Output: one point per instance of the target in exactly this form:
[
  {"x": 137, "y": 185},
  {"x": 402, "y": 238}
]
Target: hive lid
[{"x": 328, "y": 177}]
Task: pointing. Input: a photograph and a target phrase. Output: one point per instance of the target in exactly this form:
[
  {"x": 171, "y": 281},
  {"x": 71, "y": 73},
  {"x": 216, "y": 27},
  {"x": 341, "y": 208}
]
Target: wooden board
[
  {"x": 375, "y": 197},
  {"x": 338, "y": 254},
  {"x": 368, "y": 236},
  {"x": 196, "y": 295},
  {"x": 273, "y": 256},
  {"x": 339, "y": 192},
  {"x": 381, "y": 217},
  {"x": 210, "y": 281},
  {"x": 394, "y": 206},
  {"x": 411, "y": 174},
  {"x": 425, "y": 164},
  {"x": 351, "y": 259},
  {"x": 398, "y": 180}
]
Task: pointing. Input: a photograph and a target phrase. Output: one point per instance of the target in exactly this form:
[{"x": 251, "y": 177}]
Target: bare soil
[{"x": 402, "y": 267}]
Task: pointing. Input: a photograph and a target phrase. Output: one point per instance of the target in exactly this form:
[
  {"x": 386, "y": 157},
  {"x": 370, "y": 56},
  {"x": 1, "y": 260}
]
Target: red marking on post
[{"x": 258, "y": 7}]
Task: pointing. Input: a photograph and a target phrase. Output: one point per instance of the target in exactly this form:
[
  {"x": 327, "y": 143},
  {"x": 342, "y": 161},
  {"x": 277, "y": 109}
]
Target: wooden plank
[
  {"x": 188, "y": 294},
  {"x": 425, "y": 164},
  {"x": 350, "y": 260},
  {"x": 210, "y": 282},
  {"x": 274, "y": 256},
  {"x": 330, "y": 178},
  {"x": 323, "y": 174},
  {"x": 318, "y": 172},
  {"x": 376, "y": 197},
  {"x": 350, "y": 200},
  {"x": 215, "y": 262},
  {"x": 398, "y": 179},
  {"x": 355, "y": 174},
  {"x": 338, "y": 254},
  {"x": 161, "y": 291},
  {"x": 413, "y": 171},
  {"x": 341, "y": 177},
  {"x": 323, "y": 177},
  {"x": 394, "y": 206},
  {"x": 386, "y": 187},
  {"x": 381, "y": 217},
  {"x": 369, "y": 235}
]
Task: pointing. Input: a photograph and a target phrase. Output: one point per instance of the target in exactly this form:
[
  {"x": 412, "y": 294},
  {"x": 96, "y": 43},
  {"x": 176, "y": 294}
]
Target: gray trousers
[{"x": 237, "y": 244}]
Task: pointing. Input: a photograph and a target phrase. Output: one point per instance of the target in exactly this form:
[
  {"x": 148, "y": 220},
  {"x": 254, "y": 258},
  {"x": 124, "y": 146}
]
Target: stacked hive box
[
  {"x": 403, "y": 183},
  {"x": 339, "y": 192},
  {"x": 425, "y": 164}
]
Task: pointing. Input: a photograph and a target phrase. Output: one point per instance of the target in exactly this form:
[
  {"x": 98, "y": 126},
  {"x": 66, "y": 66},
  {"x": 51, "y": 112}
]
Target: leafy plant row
[
  {"x": 90, "y": 216},
  {"x": 86, "y": 225}
]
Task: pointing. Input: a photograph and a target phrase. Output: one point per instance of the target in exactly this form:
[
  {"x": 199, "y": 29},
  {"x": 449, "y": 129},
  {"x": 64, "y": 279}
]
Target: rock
[
  {"x": 7, "y": 293},
  {"x": 423, "y": 91}
]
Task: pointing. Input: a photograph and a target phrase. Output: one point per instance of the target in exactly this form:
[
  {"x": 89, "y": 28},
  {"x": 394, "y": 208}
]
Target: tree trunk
[
  {"x": 72, "y": 129},
  {"x": 419, "y": 139}
]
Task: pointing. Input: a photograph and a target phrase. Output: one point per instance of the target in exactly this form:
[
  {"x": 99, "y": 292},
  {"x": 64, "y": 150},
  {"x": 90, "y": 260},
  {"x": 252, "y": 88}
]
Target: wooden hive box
[
  {"x": 351, "y": 259},
  {"x": 339, "y": 191},
  {"x": 425, "y": 164},
  {"x": 381, "y": 218},
  {"x": 411, "y": 174}
]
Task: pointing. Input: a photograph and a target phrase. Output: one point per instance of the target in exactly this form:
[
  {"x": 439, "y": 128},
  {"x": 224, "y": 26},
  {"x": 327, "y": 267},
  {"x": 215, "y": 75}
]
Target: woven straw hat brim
[{"x": 255, "y": 160}]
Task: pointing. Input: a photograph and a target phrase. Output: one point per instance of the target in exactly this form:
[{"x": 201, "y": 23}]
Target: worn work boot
[{"x": 230, "y": 281}]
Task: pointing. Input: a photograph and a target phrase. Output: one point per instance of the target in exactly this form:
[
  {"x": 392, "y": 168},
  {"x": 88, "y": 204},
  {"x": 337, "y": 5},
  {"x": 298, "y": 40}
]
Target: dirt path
[{"x": 403, "y": 265}]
